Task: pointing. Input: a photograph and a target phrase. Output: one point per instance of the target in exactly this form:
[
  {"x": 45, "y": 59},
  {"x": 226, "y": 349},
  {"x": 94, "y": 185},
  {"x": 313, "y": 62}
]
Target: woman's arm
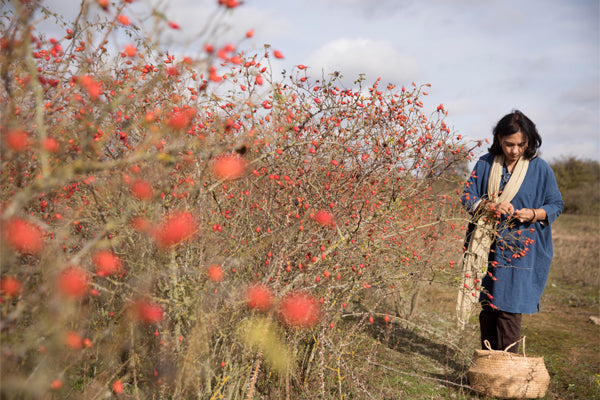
[
  {"x": 552, "y": 201},
  {"x": 476, "y": 187}
]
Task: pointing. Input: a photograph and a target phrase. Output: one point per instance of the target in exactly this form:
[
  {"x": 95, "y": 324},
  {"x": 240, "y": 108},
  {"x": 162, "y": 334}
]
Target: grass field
[{"x": 426, "y": 358}]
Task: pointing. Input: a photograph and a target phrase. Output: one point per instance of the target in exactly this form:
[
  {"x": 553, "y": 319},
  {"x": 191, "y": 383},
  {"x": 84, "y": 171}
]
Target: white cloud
[{"x": 375, "y": 59}]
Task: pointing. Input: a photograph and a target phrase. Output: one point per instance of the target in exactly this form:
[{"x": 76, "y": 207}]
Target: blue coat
[{"x": 521, "y": 255}]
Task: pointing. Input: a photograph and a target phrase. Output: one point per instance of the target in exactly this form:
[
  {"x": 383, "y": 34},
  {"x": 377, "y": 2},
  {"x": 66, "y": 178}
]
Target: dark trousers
[{"x": 500, "y": 328}]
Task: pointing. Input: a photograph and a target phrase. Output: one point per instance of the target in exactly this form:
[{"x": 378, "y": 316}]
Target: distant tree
[{"x": 579, "y": 183}]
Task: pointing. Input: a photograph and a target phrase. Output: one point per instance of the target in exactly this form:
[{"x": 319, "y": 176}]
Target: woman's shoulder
[
  {"x": 487, "y": 158},
  {"x": 540, "y": 163}
]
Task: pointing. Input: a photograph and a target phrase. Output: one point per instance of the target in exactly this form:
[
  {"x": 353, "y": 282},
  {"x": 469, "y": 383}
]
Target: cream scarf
[{"x": 475, "y": 259}]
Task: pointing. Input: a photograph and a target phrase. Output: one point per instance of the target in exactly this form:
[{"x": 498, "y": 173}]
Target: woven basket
[{"x": 498, "y": 373}]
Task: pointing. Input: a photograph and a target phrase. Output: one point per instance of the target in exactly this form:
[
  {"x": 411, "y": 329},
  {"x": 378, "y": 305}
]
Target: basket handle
[
  {"x": 489, "y": 346},
  {"x": 511, "y": 345}
]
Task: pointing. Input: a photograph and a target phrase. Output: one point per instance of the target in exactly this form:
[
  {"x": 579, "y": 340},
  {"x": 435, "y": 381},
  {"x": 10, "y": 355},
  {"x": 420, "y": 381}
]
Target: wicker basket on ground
[{"x": 499, "y": 373}]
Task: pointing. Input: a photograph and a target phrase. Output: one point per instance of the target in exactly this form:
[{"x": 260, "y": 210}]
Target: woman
[{"x": 514, "y": 198}]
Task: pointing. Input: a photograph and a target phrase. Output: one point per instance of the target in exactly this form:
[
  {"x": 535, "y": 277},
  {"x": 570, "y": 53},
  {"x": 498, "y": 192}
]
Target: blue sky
[{"x": 482, "y": 57}]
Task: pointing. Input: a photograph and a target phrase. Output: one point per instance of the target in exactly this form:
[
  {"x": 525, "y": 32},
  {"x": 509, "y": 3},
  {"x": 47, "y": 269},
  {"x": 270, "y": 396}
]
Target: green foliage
[{"x": 579, "y": 184}]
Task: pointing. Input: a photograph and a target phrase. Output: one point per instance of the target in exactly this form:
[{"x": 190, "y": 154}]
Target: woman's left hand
[{"x": 524, "y": 215}]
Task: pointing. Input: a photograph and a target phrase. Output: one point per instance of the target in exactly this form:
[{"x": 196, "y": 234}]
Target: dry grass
[{"x": 428, "y": 359}]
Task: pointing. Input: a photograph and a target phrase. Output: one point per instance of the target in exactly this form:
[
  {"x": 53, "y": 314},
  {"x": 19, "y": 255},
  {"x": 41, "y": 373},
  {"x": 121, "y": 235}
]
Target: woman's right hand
[{"x": 504, "y": 207}]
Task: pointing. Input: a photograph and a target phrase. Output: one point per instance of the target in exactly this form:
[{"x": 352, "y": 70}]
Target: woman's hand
[
  {"x": 525, "y": 214},
  {"x": 505, "y": 208},
  {"x": 531, "y": 215}
]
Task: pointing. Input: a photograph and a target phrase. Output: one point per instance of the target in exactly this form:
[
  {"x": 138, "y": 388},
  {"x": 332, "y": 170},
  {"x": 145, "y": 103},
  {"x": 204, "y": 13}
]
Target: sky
[{"x": 483, "y": 58}]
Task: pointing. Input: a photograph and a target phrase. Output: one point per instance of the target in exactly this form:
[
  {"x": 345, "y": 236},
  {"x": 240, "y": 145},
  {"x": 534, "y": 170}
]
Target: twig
[
  {"x": 421, "y": 376},
  {"x": 393, "y": 318}
]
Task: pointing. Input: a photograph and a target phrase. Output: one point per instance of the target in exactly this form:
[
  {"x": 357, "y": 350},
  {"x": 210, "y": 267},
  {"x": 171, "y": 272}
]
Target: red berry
[
  {"x": 73, "y": 282},
  {"x": 107, "y": 263},
  {"x": 16, "y": 140},
  {"x": 117, "y": 386},
  {"x": 215, "y": 273},
  {"x": 23, "y": 236},
  {"x": 323, "y": 218},
  {"x": 259, "y": 297},
  {"x": 130, "y": 50},
  {"x": 10, "y": 286},
  {"x": 94, "y": 88},
  {"x": 56, "y": 384},
  {"x": 299, "y": 310},
  {"x": 147, "y": 311},
  {"x": 140, "y": 224},
  {"x": 176, "y": 228},
  {"x": 51, "y": 145},
  {"x": 229, "y": 167},
  {"x": 141, "y": 189},
  {"x": 73, "y": 340},
  {"x": 123, "y": 19}
]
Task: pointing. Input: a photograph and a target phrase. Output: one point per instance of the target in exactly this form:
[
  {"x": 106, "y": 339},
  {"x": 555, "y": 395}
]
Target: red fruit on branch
[
  {"x": 141, "y": 189},
  {"x": 56, "y": 384},
  {"x": 176, "y": 228},
  {"x": 213, "y": 75},
  {"x": 299, "y": 310},
  {"x": 229, "y": 166},
  {"x": 73, "y": 340},
  {"x": 117, "y": 387},
  {"x": 140, "y": 224},
  {"x": 104, "y": 4},
  {"x": 323, "y": 218},
  {"x": 107, "y": 263},
  {"x": 229, "y": 3},
  {"x": 23, "y": 236},
  {"x": 10, "y": 286},
  {"x": 51, "y": 145},
  {"x": 17, "y": 140},
  {"x": 130, "y": 50},
  {"x": 172, "y": 71},
  {"x": 259, "y": 297},
  {"x": 147, "y": 311},
  {"x": 124, "y": 20},
  {"x": 215, "y": 273},
  {"x": 94, "y": 88},
  {"x": 73, "y": 282}
]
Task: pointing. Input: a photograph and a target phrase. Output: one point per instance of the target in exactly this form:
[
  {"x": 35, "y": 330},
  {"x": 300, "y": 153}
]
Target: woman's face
[{"x": 513, "y": 146}]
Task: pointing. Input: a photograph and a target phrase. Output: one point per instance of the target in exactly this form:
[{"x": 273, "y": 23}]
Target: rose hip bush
[{"x": 198, "y": 226}]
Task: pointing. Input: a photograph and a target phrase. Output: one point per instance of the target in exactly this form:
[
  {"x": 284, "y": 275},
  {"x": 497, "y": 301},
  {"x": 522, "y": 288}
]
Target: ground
[{"x": 427, "y": 357}]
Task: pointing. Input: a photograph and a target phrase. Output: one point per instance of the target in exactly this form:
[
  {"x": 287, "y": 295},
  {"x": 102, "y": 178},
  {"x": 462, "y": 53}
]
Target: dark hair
[{"x": 511, "y": 124}]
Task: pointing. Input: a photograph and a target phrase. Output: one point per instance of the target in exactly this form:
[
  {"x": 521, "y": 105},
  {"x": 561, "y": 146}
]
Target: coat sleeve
[
  {"x": 476, "y": 186},
  {"x": 553, "y": 202}
]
